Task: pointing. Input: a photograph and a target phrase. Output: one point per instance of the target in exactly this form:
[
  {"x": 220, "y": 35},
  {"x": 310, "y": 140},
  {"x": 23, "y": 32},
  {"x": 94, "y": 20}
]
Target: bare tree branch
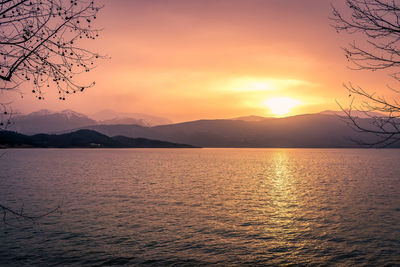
[
  {"x": 40, "y": 45},
  {"x": 378, "y": 21},
  {"x": 20, "y": 214}
]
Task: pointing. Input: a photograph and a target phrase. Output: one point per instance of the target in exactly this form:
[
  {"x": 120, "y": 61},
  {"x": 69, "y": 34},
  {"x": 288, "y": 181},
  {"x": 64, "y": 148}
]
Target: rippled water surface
[{"x": 202, "y": 207}]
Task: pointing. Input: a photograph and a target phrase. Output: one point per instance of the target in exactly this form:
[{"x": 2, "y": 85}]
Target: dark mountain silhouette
[
  {"x": 310, "y": 130},
  {"x": 354, "y": 113},
  {"x": 250, "y": 118},
  {"x": 81, "y": 139}
]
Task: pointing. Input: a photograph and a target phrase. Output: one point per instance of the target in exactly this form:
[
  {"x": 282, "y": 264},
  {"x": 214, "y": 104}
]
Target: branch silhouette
[
  {"x": 378, "y": 22},
  {"x": 40, "y": 45},
  {"x": 20, "y": 214}
]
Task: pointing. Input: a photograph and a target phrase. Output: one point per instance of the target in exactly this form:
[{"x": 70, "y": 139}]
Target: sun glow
[
  {"x": 281, "y": 105},
  {"x": 251, "y": 84}
]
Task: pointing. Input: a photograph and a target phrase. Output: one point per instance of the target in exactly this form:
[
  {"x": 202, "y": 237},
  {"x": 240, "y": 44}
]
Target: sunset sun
[{"x": 281, "y": 105}]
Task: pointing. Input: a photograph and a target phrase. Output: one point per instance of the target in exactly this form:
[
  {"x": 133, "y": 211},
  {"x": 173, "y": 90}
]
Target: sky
[{"x": 188, "y": 59}]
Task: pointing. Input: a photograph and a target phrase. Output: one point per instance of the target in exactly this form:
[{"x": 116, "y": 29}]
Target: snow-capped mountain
[
  {"x": 107, "y": 116},
  {"x": 46, "y": 121}
]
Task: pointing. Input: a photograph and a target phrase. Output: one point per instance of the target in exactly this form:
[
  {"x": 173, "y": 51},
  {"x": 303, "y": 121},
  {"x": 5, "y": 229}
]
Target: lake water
[{"x": 202, "y": 207}]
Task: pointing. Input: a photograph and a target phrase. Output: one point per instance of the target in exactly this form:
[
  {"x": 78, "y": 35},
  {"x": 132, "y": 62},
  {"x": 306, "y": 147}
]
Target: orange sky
[{"x": 187, "y": 60}]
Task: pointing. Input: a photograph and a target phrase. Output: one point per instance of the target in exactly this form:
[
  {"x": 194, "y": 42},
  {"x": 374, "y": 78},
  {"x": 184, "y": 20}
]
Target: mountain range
[
  {"x": 46, "y": 121},
  {"x": 310, "y": 130},
  {"x": 328, "y": 129}
]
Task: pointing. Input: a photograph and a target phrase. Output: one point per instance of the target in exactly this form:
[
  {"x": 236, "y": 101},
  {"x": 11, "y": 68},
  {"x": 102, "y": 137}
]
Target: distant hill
[
  {"x": 80, "y": 139},
  {"x": 108, "y": 116},
  {"x": 354, "y": 113},
  {"x": 114, "y": 121},
  {"x": 250, "y": 118},
  {"x": 311, "y": 130}
]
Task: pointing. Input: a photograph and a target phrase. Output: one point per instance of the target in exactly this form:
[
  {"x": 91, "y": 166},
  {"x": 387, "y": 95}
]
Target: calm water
[{"x": 202, "y": 207}]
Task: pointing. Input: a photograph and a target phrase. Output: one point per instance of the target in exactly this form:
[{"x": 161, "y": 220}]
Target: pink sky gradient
[{"x": 187, "y": 60}]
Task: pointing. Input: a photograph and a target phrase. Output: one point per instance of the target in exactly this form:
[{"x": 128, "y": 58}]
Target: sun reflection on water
[{"x": 210, "y": 207}]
